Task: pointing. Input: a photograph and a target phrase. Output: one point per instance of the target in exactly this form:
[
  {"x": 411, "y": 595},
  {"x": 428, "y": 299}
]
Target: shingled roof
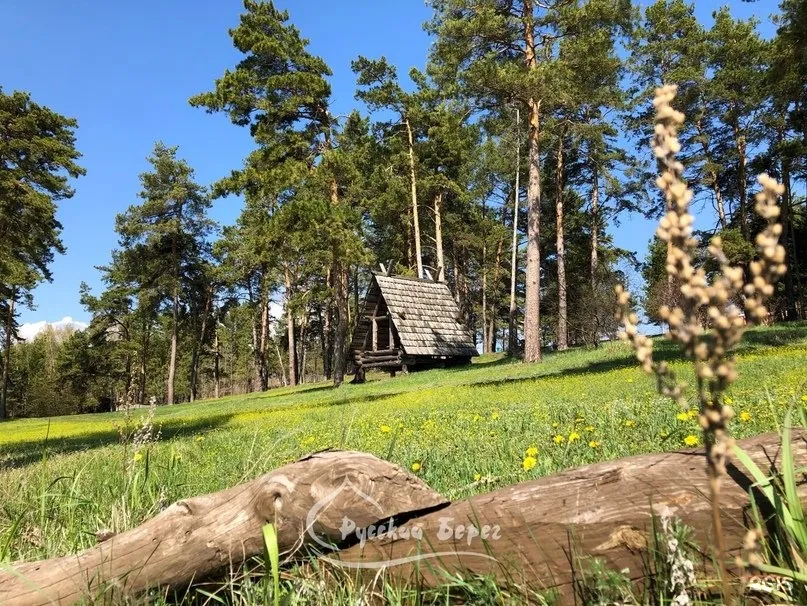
[{"x": 424, "y": 314}]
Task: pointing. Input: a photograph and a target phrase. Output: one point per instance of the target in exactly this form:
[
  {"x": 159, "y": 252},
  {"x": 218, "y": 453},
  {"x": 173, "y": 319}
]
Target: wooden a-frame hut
[{"x": 406, "y": 322}]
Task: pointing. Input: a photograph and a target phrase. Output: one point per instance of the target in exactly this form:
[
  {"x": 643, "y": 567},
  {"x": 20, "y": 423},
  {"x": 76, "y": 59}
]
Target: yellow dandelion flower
[
  {"x": 200, "y": 438},
  {"x": 574, "y": 436},
  {"x": 593, "y": 444},
  {"x": 682, "y": 416},
  {"x": 728, "y": 400},
  {"x": 590, "y": 428},
  {"x": 476, "y": 418},
  {"x": 558, "y": 439},
  {"x": 630, "y": 423},
  {"x": 477, "y": 477},
  {"x": 691, "y": 440},
  {"x": 416, "y": 467},
  {"x": 692, "y": 413},
  {"x": 579, "y": 420},
  {"x": 494, "y": 416},
  {"x": 138, "y": 456},
  {"x": 528, "y": 463},
  {"x": 386, "y": 429},
  {"x": 745, "y": 416},
  {"x": 532, "y": 451},
  {"x": 804, "y": 398}
]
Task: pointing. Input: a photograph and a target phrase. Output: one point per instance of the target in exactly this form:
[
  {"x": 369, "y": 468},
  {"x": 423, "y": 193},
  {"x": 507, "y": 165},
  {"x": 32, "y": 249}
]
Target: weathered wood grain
[
  {"x": 199, "y": 537},
  {"x": 544, "y": 526}
]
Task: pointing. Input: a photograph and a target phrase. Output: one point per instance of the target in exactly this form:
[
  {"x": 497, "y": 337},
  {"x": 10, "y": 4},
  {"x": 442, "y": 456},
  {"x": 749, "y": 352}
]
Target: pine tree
[
  {"x": 280, "y": 90},
  {"x": 165, "y": 237},
  {"x": 37, "y": 159},
  {"x": 508, "y": 51}
]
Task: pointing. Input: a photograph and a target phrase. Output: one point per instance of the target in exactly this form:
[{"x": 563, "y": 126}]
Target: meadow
[{"x": 463, "y": 430}]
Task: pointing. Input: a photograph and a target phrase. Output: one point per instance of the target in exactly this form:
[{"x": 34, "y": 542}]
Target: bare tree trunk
[
  {"x": 282, "y": 365},
  {"x": 485, "y": 295},
  {"x": 512, "y": 328},
  {"x": 595, "y": 221},
  {"x": 324, "y": 335},
  {"x": 302, "y": 348},
  {"x": 341, "y": 297},
  {"x": 438, "y": 237},
  {"x": 144, "y": 361},
  {"x": 413, "y": 179},
  {"x": 562, "y": 330},
  {"x": 340, "y": 336},
  {"x": 197, "y": 350},
  {"x": 532, "y": 311},
  {"x": 743, "y": 181},
  {"x": 328, "y": 333},
  {"x": 216, "y": 356},
  {"x": 172, "y": 360},
  {"x": 9, "y": 330},
  {"x": 290, "y": 329},
  {"x": 263, "y": 361},
  {"x": 792, "y": 311},
  {"x": 494, "y": 303}
]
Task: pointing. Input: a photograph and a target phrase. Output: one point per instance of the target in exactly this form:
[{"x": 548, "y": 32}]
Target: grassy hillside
[{"x": 463, "y": 430}]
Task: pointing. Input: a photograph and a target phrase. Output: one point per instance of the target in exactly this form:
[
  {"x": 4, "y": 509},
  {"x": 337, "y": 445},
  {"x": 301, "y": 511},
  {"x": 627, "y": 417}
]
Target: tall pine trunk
[
  {"x": 290, "y": 330},
  {"x": 263, "y": 358},
  {"x": 485, "y": 295},
  {"x": 438, "y": 236},
  {"x": 172, "y": 360},
  {"x": 216, "y": 358},
  {"x": 341, "y": 299},
  {"x": 532, "y": 308},
  {"x": 302, "y": 351},
  {"x": 742, "y": 185},
  {"x": 494, "y": 300},
  {"x": 413, "y": 182},
  {"x": 560, "y": 243},
  {"x": 197, "y": 350},
  {"x": 512, "y": 326},
  {"x": 793, "y": 311},
  {"x": 9, "y": 329},
  {"x": 595, "y": 221}
]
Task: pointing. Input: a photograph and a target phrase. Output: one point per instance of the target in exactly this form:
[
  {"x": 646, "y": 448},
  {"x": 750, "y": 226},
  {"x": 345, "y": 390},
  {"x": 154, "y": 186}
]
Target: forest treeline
[{"x": 503, "y": 167}]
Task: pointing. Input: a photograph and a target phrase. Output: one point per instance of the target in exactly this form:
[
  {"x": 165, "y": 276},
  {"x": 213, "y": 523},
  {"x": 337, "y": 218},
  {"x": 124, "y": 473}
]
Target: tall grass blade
[{"x": 273, "y": 556}]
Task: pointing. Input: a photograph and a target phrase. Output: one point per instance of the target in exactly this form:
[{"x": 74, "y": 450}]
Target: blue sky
[{"x": 125, "y": 70}]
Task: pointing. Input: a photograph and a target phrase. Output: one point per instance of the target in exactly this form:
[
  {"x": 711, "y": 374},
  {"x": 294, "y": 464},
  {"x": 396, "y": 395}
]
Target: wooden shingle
[{"x": 424, "y": 315}]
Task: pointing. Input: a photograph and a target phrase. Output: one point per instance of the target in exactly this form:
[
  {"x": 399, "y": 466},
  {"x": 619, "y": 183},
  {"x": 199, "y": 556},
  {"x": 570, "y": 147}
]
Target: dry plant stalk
[{"x": 712, "y": 356}]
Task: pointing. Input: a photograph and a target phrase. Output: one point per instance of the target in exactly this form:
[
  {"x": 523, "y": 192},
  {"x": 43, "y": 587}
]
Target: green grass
[{"x": 63, "y": 479}]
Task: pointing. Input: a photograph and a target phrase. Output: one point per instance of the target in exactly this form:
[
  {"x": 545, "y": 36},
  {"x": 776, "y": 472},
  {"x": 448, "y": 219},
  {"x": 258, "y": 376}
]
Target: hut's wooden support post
[
  {"x": 375, "y": 333},
  {"x": 391, "y": 339}
]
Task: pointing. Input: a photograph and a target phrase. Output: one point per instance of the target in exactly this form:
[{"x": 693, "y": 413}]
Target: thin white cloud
[{"x": 29, "y": 330}]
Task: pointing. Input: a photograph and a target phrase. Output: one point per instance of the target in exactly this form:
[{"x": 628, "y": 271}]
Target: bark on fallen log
[
  {"x": 537, "y": 531},
  {"x": 198, "y": 537},
  {"x": 534, "y": 532}
]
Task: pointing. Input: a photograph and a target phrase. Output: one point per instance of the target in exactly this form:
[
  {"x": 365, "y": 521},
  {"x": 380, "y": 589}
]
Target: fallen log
[
  {"x": 536, "y": 534},
  {"x": 198, "y": 537},
  {"x": 533, "y": 534}
]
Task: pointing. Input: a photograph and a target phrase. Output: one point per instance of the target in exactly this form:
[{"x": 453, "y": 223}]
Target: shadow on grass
[
  {"x": 774, "y": 336},
  {"x": 24, "y": 453}
]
